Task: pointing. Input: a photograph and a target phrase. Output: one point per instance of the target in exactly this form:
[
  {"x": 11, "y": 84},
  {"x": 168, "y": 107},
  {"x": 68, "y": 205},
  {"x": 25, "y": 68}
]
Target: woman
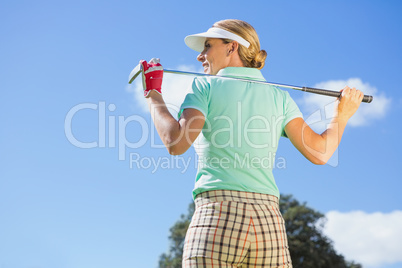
[{"x": 238, "y": 124}]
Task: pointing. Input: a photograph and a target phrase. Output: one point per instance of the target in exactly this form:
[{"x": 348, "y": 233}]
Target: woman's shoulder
[
  {"x": 280, "y": 92},
  {"x": 203, "y": 81}
]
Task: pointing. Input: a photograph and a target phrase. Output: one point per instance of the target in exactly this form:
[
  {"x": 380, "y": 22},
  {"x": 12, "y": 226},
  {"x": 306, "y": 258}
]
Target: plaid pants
[{"x": 236, "y": 229}]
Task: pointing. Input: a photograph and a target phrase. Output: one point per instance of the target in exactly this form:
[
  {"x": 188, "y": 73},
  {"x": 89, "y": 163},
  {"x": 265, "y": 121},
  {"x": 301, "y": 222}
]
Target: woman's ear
[{"x": 233, "y": 46}]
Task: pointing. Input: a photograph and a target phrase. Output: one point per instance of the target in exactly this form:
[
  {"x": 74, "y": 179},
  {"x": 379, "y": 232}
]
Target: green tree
[
  {"x": 309, "y": 247},
  {"x": 172, "y": 259}
]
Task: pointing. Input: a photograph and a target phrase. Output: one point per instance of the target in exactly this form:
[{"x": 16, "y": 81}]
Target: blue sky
[{"x": 66, "y": 206}]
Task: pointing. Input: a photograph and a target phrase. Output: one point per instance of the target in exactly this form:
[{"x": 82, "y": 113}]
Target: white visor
[{"x": 197, "y": 41}]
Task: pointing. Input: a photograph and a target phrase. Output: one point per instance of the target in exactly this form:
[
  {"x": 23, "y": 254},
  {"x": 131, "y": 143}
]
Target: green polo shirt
[{"x": 243, "y": 123}]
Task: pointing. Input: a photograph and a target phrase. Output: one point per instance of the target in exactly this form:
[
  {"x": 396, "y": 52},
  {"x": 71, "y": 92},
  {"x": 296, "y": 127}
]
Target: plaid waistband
[{"x": 235, "y": 196}]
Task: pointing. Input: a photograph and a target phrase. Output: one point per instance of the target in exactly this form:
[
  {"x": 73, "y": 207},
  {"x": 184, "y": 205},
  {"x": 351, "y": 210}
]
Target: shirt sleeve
[
  {"x": 291, "y": 111},
  {"x": 197, "y": 98}
]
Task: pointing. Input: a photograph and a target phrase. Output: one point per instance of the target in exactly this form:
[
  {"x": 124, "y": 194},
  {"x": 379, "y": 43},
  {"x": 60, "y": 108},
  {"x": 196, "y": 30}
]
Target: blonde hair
[{"x": 253, "y": 56}]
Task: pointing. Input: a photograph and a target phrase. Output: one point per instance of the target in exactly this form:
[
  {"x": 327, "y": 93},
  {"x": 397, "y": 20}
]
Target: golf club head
[{"x": 134, "y": 73}]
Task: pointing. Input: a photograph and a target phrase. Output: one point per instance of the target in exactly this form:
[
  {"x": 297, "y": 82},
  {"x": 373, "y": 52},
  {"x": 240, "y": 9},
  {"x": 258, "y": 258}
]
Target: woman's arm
[
  {"x": 177, "y": 136},
  {"x": 319, "y": 148}
]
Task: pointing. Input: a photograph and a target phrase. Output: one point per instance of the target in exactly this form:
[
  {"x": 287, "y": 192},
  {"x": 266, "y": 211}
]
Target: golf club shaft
[{"x": 137, "y": 70}]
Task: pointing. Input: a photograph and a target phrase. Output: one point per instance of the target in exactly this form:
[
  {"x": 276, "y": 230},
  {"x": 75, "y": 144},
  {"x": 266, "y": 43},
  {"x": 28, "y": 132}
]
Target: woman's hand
[
  {"x": 152, "y": 75},
  {"x": 319, "y": 148},
  {"x": 348, "y": 103}
]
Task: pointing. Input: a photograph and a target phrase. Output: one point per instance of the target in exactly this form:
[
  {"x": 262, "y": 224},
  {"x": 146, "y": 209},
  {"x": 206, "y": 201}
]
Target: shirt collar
[{"x": 242, "y": 72}]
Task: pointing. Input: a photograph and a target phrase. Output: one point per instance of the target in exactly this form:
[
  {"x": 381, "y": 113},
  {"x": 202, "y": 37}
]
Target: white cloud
[
  {"x": 319, "y": 109},
  {"x": 372, "y": 239},
  {"x": 174, "y": 89}
]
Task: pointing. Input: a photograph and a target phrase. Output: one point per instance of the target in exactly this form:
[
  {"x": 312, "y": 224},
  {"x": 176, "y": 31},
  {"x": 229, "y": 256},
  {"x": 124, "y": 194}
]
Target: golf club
[{"x": 138, "y": 69}]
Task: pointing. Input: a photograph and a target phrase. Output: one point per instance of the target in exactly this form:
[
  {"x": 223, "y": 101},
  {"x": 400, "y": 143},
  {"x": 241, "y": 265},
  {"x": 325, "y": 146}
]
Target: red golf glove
[{"x": 152, "y": 74}]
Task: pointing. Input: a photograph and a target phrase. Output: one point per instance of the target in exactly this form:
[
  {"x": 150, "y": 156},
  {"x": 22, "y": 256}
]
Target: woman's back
[{"x": 243, "y": 124}]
